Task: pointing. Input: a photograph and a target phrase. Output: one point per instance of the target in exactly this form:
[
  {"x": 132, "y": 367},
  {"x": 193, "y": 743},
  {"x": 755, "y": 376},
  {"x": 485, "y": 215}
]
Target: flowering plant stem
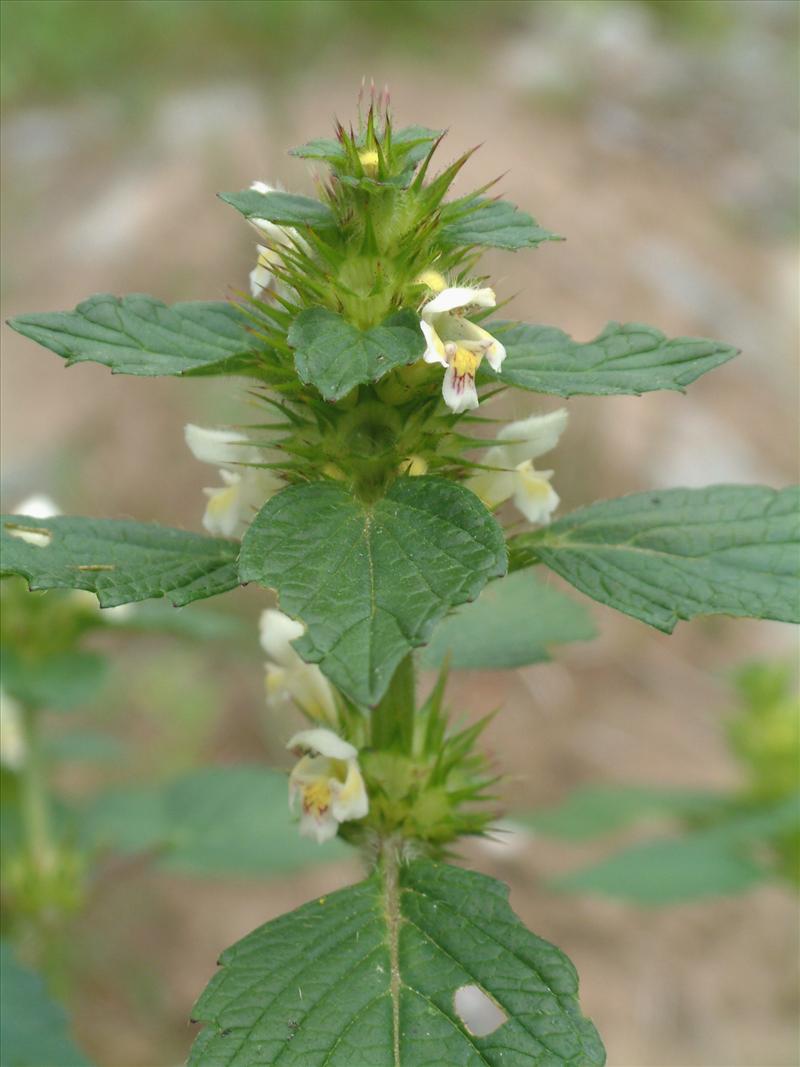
[{"x": 373, "y": 501}]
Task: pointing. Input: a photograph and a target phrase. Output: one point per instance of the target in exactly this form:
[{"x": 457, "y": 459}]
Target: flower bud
[
  {"x": 369, "y": 160},
  {"x": 414, "y": 466}
]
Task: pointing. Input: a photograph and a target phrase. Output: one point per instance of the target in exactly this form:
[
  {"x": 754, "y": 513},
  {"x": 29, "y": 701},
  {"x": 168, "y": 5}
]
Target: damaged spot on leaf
[
  {"x": 34, "y": 535},
  {"x": 477, "y": 1011}
]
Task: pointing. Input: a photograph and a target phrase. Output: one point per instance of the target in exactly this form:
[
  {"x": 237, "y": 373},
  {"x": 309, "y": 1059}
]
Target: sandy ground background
[{"x": 668, "y": 161}]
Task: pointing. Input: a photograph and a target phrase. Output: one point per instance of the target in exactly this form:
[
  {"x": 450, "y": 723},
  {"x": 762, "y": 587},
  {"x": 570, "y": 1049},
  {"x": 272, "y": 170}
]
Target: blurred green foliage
[
  {"x": 34, "y": 1028},
  {"x": 66, "y": 834},
  {"x": 217, "y": 821},
  {"x": 765, "y": 735},
  {"x": 496, "y": 631},
  {"x": 137, "y": 47},
  {"x": 719, "y": 843},
  {"x": 146, "y": 723},
  {"x": 693, "y": 19}
]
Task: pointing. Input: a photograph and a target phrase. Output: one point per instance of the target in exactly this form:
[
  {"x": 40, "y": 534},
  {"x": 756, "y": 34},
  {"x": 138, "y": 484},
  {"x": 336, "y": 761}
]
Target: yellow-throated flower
[
  {"x": 289, "y": 678},
  {"x": 458, "y": 344},
  {"x": 232, "y": 507},
  {"x": 514, "y": 475},
  {"x": 326, "y": 784}
]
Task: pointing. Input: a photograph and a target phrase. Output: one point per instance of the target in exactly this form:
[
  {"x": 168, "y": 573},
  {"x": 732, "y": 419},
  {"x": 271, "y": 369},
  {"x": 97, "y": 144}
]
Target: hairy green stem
[{"x": 389, "y": 867}]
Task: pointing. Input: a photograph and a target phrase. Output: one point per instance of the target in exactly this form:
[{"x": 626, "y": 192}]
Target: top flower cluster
[
  {"x": 451, "y": 339},
  {"x": 381, "y": 242}
]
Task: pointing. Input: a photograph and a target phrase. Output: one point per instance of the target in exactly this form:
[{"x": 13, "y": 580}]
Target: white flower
[
  {"x": 12, "y": 733},
  {"x": 289, "y": 678},
  {"x": 232, "y": 507},
  {"x": 458, "y": 344},
  {"x": 326, "y": 782},
  {"x": 262, "y": 276},
  {"x": 514, "y": 474}
]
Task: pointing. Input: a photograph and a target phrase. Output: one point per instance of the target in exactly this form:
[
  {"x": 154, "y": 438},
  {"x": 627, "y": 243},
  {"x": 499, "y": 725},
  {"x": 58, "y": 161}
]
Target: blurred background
[{"x": 660, "y": 138}]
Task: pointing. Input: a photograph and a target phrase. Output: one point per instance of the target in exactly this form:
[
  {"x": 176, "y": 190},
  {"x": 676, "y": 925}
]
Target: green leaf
[
  {"x": 58, "y": 682},
  {"x": 490, "y": 224},
  {"x": 335, "y": 356},
  {"x": 320, "y": 148},
  {"x": 511, "y": 624},
  {"x": 367, "y": 977},
  {"x": 284, "y": 209},
  {"x": 603, "y": 809},
  {"x": 665, "y": 556},
  {"x": 370, "y": 581},
  {"x": 211, "y": 821},
  {"x": 120, "y": 561},
  {"x": 34, "y": 1030},
  {"x": 629, "y": 358},
  {"x": 140, "y": 335},
  {"x": 720, "y": 860},
  {"x": 414, "y": 142}
]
